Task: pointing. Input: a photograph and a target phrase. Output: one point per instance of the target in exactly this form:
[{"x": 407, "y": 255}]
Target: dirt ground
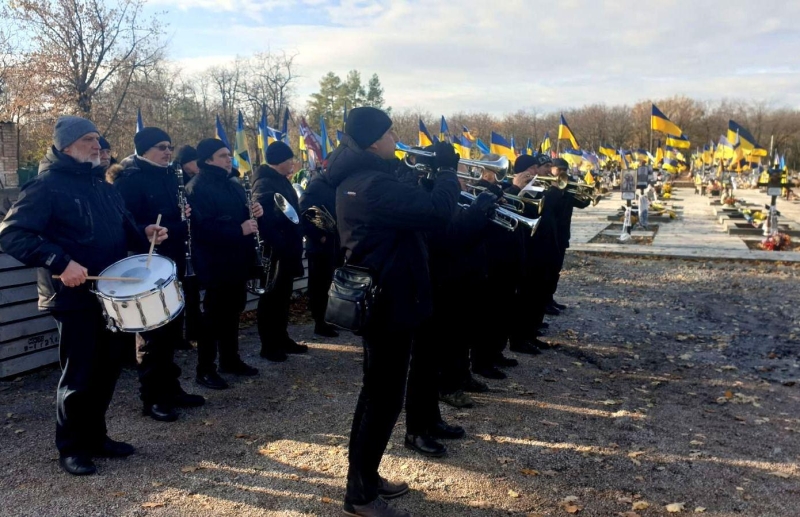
[{"x": 672, "y": 382}]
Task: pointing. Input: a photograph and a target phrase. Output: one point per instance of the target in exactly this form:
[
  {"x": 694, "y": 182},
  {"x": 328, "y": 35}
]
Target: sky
[{"x": 500, "y": 56}]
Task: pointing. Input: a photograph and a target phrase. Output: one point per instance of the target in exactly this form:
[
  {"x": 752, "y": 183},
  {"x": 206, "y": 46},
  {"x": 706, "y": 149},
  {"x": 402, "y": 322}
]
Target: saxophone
[{"x": 182, "y": 205}]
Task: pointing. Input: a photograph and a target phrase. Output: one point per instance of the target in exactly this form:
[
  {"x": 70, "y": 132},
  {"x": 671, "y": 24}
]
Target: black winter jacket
[
  {"x": 504, "y": 248},
  {"x": 381, "y": 223},
  {"x": 544, "y": 247},
  {"x": 568, "y": 204},
  {"x": 282, "y": 235},
  {"x": 149, "y": 190},
  {"x": 68, "y": 212},
  {"x": 221, "y": 253},
  {"x": 458, "y": 254},
  {"x": 322, "y": 194}
]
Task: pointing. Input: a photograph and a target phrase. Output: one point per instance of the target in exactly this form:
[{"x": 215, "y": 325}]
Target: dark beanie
[
  {"x": 147, "y": 138},
  {"x": 278, "y": 152},
  {"x": 206, "y": 148},
  {"x": 561, "y": 163},
  {"x": 69, "y": 129},
  {"x": 524, "y": 162},
  {"x": 104, "y": 143},
  {"x": 366, "y": 125},
  {"x": 186, "y": 154}
]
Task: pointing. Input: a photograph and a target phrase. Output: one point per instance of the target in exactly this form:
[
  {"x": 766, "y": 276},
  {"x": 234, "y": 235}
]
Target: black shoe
[
  {"x": 376, "y": 508},
  {"x": 160, "y": 412},
  {"x": 559, "y": 306},
  {"x": 212, "y": 380},
  {"x": 240, "y": 368},
  {"x": 544, "y": 325},
  {"x": 389, "y": 490},
  {"x": 183, "y": 399},
  {"x": 446, "y": 431},
  {"x": 276, "y": 356},
  {"x": 505, "y": 362},
  {"x": 525, "y": 347},
  {"x": 473, "y": 385},
  {"x": 551, "y": 311},
  {"x": 183, "y": 344},
  {"x": 325, "y": 330},
  {"x": 425, "y": 445},
  {"x": 113, "y": 449},
  {"x": 77, "y": 465},
  {"x": 290, "y": 347},
  {"x": 490, "y": 372}
]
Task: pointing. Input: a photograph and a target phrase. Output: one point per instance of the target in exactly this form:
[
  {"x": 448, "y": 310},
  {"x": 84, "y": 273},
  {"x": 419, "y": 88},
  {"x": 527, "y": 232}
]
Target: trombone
[
  {"x": 499, "y": 167},
  {"x": 505, "y": 218}
]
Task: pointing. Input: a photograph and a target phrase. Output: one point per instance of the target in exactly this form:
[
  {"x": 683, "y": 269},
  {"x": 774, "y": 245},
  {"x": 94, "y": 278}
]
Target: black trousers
[
  {"x": 386, "y": 359},
  {"x": 537, "y": 290},
  {"x": 556, "y": 273},
  {"x": 90, "y": 357},
  {"x": 320, "y": 275},
  {"x": 193, "y": 317},
  {"x": 222, "y": 307},
  {"x": 451, "y": 336},
  {"x": 422, "y": 395},
  {"x": 500, "y": 289},
  {"x": 155, "y": 355},
  {"x": 273, "y": 313}
]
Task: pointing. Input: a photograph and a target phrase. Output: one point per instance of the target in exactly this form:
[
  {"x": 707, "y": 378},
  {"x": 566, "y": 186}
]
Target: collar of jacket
[
  {"x": 214, "y": 172},
  {"x": 144, "y": 163},
  {"x": 55, "y": 160}
]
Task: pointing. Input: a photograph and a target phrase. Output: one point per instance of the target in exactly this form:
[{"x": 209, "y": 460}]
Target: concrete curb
[{"x": 691, "y": 253}]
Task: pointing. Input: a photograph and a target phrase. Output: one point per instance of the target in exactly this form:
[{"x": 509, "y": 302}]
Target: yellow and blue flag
[
  {"x": 679, "y": 142},
  {"x": 462, "y": 146},
  {"x": 465, "y": 132},
  {"x": 746, "y": 139},
  {"x": 609, "y": 151},
  {"x": 565, "y": 133},
  {"x": 660, "y": 122},
  {"x": 339, "y": 135},
  {"x": 241, "y": 151},
  {"x": 325, "y": 140},
  {"x": 424, "y": 136},
  {"x": 220, "y": 135},
  {"x": 499, "y": 145},
  {"x": 546, "y": 145},
  {"x": 573, "y": 156},
  {"x": 482, "y": 147},
  {"x": 529, "y": 148},
  {"x": 400, "y": 150},
  {"x": 444, "y": 132}
]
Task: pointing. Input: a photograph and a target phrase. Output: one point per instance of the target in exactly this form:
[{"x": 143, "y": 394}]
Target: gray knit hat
[{"x": 69, "y": 129}]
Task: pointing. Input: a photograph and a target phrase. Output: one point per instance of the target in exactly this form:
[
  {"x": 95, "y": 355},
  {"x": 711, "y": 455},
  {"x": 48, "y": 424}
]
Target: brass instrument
[
  {"x": 320, "y": 217},
  {"x": 499, "y": 167},
  {"x": 182, "y": 206},
  {"x": 504, "y": 218},
  {"x": 578, "y": 189},
  {"x": 521, "y": 204}
]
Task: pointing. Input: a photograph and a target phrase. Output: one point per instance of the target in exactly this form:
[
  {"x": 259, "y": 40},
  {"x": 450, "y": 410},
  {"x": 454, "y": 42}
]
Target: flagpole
[{"x": 771, "y": 141}]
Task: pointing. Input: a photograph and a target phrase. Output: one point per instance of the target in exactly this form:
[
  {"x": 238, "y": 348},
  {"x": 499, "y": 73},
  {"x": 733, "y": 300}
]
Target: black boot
[{"x": 425, "y": 445}]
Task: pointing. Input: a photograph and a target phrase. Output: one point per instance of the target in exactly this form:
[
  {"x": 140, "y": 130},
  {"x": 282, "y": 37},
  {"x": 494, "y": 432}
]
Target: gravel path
[{"x": 673, "y": 382}]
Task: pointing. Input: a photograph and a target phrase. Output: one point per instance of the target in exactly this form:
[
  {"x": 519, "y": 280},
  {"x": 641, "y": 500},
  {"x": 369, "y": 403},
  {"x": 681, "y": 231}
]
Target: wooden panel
[
  {"x": 18, "y": 312},
  {"x": 28, "y": 344},
  {"x": 23, "y": 293},
  {"x": 24, "y": 363},
  {"x": 17, "y": 277},
  {"x": 7, "y": 261},
  {"x": 26, "y": 328}
]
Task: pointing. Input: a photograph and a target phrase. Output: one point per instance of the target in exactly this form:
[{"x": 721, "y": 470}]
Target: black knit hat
[
  {"x": 542, "y": 159},
  {"x": 366, "y": 125},
  {"x": 561, "y": 163},
  {"x": 104, "y": 143},
  {"x": 206, "y": 148},
  {"x": 524, "y": 162},
  {"x": 278, "y": 152},
  {"x": 186, "y": 154},
  {"x": 147, "y": 138}
]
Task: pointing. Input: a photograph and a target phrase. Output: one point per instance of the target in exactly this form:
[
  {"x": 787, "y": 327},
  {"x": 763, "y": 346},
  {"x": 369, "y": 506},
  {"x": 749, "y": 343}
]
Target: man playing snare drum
[{"x": 68, "y": 221}]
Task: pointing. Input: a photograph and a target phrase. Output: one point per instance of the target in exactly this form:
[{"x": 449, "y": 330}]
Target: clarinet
[
  {"x": 182, "y": 206},
  {"x": 256, "y": 285}
]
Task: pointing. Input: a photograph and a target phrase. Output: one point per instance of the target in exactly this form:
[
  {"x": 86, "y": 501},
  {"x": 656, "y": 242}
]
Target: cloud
[{"x": 501, "y": 56}]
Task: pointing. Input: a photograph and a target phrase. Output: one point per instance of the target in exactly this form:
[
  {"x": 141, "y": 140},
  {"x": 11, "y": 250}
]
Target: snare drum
[{"x": 153, "y": 301}]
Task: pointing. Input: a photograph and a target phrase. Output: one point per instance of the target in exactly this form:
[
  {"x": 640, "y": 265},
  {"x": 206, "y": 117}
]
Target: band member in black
[
  {"x": 69, "y": 221},
  {"x": 322, "y": 247},
  {"x": 106, "y": 160},
  {"x": 381, "y": 223},
  {"x": 284, "y": 239},
  {"x": 223, "y": 255},
  {"x": 186, "y": 159},
  {"x": 150, "y": 187}
]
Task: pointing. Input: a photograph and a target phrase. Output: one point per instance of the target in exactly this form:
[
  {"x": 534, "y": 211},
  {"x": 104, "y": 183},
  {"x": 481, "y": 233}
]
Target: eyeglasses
[{"x": 164, "y": 147}]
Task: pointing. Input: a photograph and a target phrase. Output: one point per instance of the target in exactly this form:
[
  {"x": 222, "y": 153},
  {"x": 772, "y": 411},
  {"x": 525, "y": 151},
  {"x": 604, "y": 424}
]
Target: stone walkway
[{"x": 696, "y": 232}]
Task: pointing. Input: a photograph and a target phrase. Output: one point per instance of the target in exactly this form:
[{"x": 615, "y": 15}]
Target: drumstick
[
  {"x": 152, "y": 244},
  {"x": 115, "y": 278}
]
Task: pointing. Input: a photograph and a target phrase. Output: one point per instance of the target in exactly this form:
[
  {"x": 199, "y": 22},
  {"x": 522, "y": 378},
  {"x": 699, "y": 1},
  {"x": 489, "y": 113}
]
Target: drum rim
[
  {"x": 151, "y": 327},
  {"x": 173, "y": 278}
]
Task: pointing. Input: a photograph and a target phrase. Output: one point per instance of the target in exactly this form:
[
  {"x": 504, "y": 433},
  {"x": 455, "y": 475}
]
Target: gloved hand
[
  {"x": 485, "y": 202},
  {"x": 446, "y": 156}
]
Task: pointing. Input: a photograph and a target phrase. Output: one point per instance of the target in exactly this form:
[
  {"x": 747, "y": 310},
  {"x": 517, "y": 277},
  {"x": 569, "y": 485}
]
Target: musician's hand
[
  {"x": 258, "y": 210},
  {"x": 188, "y": 211},
  {"x": 446, "y": 156},
  {"x": 522, "y": 179},
  {"x": 159, "y": 231},
  {"x": 485, "y": 202},
  {"x": 249, "y": 227},
  {"x": 74, "y": 275}
]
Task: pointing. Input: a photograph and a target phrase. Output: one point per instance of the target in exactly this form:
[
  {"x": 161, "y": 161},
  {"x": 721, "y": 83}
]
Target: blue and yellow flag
[
  {"x": 241, "y": 151},
  {"x": 325, "y": 140},
  {"x": 746, "y": 139},
  {"x": 462, "y": 146},
  {"x": 565, "y": 133},
  {"x": 424, "y": 137},
  {"x": 500, "y": 146},
  {"x": 573, "y": 156},
  {"x": 465, "y": 132},
  {"x": 262, "y": 142},
  {"x": 444, "y": 132},
  {"x": 529, "y": 148},
  {"x": 660, "y": 122},
  {"x": 219, "y": 134},
  {"x": 400, "y": 150},
  {"x": 482, "y": 147},
  {"x": 609, "y": 151},
  {"x": 339, "y": 135},
  {"x": 546, "y": 145},
  {"x": 139, "y": 123},
  {"x": 679, "y": 142}
]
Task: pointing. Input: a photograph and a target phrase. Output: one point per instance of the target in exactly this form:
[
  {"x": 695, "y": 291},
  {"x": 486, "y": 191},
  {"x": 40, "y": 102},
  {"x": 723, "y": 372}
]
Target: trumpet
[
  {"x": 499, "y": 167},
  {"x": 522, "y": 204},
  {"x": 505, "y": 218}
]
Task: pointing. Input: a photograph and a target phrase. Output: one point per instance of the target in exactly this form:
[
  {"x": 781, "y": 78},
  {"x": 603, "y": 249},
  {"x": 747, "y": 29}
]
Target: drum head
[{"x": 161, "y": 270}]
